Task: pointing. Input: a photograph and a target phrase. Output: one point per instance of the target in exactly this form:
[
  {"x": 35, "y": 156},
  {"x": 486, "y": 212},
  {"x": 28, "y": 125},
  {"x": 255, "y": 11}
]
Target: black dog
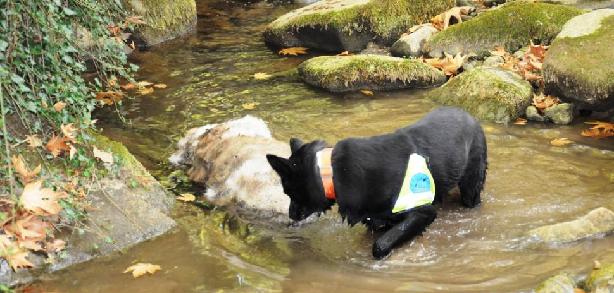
[{"x": 368, "y": 174}]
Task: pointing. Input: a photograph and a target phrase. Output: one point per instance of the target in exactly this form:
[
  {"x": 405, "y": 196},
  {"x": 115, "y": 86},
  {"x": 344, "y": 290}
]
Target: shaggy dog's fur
[
  {"x": 368, "y": 174},
  {"x": 230, "y": 159}
]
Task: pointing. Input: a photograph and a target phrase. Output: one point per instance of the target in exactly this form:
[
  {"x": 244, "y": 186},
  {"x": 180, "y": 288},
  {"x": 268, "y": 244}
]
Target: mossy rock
[
  {"x": 602, "y": 277},
  {"x": 488, "y": 93},
  {"x": 338, "y": 25},
  {"x": 597, "y": 222},
  {"x": 374, "y": 72},
  {"x": 578, "y": 65},
  {"x": 561, "y": 283},
  {"x": 511, "y": 26},
  {"x": 164, "y": 20}
]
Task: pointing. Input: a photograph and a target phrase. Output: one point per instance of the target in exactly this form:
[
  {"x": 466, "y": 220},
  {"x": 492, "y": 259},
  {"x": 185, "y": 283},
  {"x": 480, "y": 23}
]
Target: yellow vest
[{"x": 418, "y": 185}]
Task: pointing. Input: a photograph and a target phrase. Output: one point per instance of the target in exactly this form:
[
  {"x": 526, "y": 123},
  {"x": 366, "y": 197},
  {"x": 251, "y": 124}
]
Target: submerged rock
[
  {"x": 601, "y": 279},
  {"x": 596, "y": 222},
  {"x": 561, "y": 283},
  {"x": 511, "y": 26},
  {"x": 533, "y": 114},
  {"x": 375, "y": 72},
  {"x": 560, "y": 114},
  {"x": 488, "y": 93},
  {"x": 412, "y": 44},
  {"x": 576, "y": 67},
  {"x": 164, "y": 20},
  {"x": 339, "y": 25}
]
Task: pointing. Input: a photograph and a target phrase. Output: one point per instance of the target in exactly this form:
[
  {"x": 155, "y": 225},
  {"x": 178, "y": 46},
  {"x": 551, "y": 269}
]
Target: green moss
[
  {"x": 487, "y": 93},
  {"x": 347, "y": 72},
  {"x": 513, "y": 26},
  {"x": 560, "y": 283},
  {"x": 599, "y": 277},
  {"x": 580, "y": 61},
  {"x": 387, "y": 19},
  {"x": 164, "y": 19}
]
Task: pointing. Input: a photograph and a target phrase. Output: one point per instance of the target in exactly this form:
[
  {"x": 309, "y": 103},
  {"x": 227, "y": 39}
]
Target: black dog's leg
[
  {"x": 472, "y": 183},
  {"x": 414, "y": 223}
]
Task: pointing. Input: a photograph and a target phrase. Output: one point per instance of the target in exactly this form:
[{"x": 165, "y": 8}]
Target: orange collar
[{"x": 324, "y": 162}]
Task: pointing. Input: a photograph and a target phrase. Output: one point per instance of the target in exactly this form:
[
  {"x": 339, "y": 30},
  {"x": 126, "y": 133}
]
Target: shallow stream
[{"x": 210, "y": 79}]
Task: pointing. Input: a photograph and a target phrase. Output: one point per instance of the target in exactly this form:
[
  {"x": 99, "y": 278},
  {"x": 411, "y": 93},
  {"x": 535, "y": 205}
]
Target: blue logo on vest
[{"x": 420, "y": 183}]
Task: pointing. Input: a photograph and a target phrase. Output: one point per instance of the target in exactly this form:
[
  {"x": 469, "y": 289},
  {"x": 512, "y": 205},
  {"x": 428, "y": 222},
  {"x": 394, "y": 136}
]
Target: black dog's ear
[
  {"x": 280, "y": 165},
  {"x": 295, "y": 144}
]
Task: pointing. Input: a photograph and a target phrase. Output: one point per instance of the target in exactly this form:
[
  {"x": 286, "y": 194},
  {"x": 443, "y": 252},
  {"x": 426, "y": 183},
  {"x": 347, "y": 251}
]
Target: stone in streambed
[
  {"x": 560, "y": 114},
  {"x": 561, "y": 283},
  {"x": 412, "y": 44},
  {"x": 596, "y": 222},
  {"x": 601, "y": 279},
  {"x": 164, "y": 20},
  {"x": 533, "y": 114}
]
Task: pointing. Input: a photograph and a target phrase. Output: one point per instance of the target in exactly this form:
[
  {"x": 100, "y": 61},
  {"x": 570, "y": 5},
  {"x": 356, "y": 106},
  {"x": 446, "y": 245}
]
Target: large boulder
[
  {"x": 512, "y": 26},
  {"x": 164, "y": 20},
  {"x": 577, "y": 67},
  {"x": 339, "y": 25},
  {"x": 561, "y": 283},
  {"x": 489, "y": 93},
  {"x": 596, "y": 222},
  {"x": 412, "y": 44},
  {"x": 375, "y": 72}
]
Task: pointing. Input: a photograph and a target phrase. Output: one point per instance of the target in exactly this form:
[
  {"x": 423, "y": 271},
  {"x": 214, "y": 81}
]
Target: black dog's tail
[{"x": 474, "y": 177}]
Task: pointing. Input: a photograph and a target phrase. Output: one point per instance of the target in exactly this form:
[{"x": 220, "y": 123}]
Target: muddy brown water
[{"x": 209, "y": 76}]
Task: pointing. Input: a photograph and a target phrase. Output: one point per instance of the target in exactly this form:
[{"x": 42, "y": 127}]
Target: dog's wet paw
[{"x": 380, "y": 252}]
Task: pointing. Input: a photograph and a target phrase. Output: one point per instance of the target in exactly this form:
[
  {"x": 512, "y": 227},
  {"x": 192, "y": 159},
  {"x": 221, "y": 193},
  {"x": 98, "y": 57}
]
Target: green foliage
[{"x": 55, "y": 51}]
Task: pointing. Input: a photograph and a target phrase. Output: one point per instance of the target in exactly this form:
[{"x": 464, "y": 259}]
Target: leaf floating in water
[
  {"x": 520, "y": 121},
  {"x": 141, "y": 269},
  {"x": 367, "y": 92},
  {"x": 110, "y": 97},
  {"x": 293, "y": 51},
  {"x": 250, "y": 106},
  {"x": 563, "y": 141},
  {"x": 144, "y": 83},
  {"x": 261, "y": 76},
  {"x": 145, "y": 91},
  {"x": 186, "y": 197},
  {"x": 599, "y": 130},
  {"x": 160, "y": 85}
]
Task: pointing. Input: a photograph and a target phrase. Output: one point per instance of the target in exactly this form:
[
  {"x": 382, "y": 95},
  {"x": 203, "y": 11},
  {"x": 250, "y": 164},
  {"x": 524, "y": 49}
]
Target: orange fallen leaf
[
  {"x": 563, "y": 141},
  {"x": 520, "y": 121},
  {"x": 55, "y": 246},
  {"x": 186, "y": 197},
  {"x": 144, "y": 83},
  {"x": 28, "y": 229},
  {"x": 160, "y": 85},
  {"x": 33, "y": 141},
  {"x": 40, "y": 201},
  {"x": 128, "y": 86},
  {"x": 599, "y": 130},
  {"x": 367, "y": 92},
  {"x": 538, "y": 51},
  {"x": 442, "y": 21},
  {"x": 449, "y": 64},
  {"x": 145, "y": 91},
  {"x": 140, "y": 269},
  {"x": 59, "y": 106},
  {"x": 250, "y": 106},
  {"x": 293, "y": 51},
  {"x": 542, "y": 102},
  {"x": 56, "y": 145},
  {"x": 109, "y": 97},
  {"x": 105, "y": 157},
  {"x": 23, "y": 171}
]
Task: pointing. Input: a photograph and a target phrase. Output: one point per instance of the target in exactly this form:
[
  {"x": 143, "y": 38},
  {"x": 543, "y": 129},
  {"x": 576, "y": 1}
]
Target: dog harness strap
[
  {"x": 418, "y": 185},
  {"x": 324, "y": 161}
]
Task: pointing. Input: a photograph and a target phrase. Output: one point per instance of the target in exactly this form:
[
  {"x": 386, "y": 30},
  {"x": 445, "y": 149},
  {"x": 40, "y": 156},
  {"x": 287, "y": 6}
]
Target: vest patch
[{"x": 418, "y": 185}]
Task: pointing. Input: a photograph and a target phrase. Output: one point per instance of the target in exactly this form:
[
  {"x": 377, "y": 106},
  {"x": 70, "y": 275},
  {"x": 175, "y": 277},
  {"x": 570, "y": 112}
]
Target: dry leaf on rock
[
  {"x": 563, "y": 141},
  {"x": 40, "y": 201},
  {"x": 367, "y": 92},
  {"x": 59, "y": 106},
  {"x": 261, "y": 76},
  {"x": 442, "y": 21},
  {"x": 449, "y": 64},
  {"x": 33, "y": 141},
  {"x": 56, "y": 145},
  {"x": 109, "y": 97},
  {"x": 55, "y": 246},
  {"x": 140, "y": 269},
  {"x": 542, "y": 102},
  {"x": 105, "y": 157},
  {"x": 23, "y": 171},
  {"x": 520, "y": 121},
  {"x": 186, "y": 197},
  {"x": 15, "y": 255},
  {"x": 599, "y": 130},
  {"x": 293, "y": 51}
]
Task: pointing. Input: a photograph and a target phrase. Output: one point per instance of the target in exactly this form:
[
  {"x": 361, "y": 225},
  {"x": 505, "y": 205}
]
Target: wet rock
[
  {"x": 601, "y": 279},
  {"x": 340, "y": 25},
  {"x": 488, "y": 93},
  {"x": 375, "y": 72},
  {"x": 412, "y": 44},
  {"x": 574, "y": 69},
  {"x": 494, "y": 61},
  {"x": 511, "y": 26},
  {"x": 375, "y": 49},
  {"x": 130, "y": 207},
  {"x": 561, "y": 283},
  {"x": 596, "y": 222},
  {"x": 164, "y": 20},
  {"x": 533, "y": 114},
  {"x": 492, "y": 3},
  {"x": 560, "y": 114}
]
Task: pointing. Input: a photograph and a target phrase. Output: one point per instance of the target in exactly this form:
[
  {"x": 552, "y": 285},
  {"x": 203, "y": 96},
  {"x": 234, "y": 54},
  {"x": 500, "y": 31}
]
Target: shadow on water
[{"x": 210, "y": 79}]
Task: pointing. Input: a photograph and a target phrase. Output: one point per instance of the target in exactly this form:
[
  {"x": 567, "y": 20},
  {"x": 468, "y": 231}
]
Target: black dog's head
[{"x": 300, "y": 178}]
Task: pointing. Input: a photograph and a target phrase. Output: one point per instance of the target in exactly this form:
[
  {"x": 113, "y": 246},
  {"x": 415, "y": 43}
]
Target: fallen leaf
[
  {"x": 56, "y": 145},
  {"x": 105, "y": 157},
  {"x": 23, "y": 171},
  {"x": 449, "y": 64},
  {"x": 128, "y": 86},
  {"x": 33, "y": 141},
  {"x": 112, "y": 82},
  {"x": 145, "y": 91},
  {"x": 261, "y": 76},
  {"x": 538, "y": 51},
  {"x": 27, "y": 230},
  {"x": 293, "y": 51},
  {"x": 40, "y": 201},
  {"x": 144, "y": 83},
  {"x": 15, "y": 255},
  {"x": 109, "y": 97},
  {"x": 599, "y": 130},
  {"x": 542, "y": 102},
  {"x": 499, "y": 51},
  {"x": 72, "y": 152},
  {"x": 367, "y": 92},
  {"x": 250, "y": 106},
  {"x": 442, "y": 21},
  {"x": 135, "y": 19},
  {"x": 563, "y": 141},
  {"x": 186, "y": 197},
  {"x": 55, "y": 246},
  {"x": 140, "y": 269},
  {"x": 59, "y": 106},
  {"x": 69, "y": 131},
  {"x": 160, "y": 85},
  {"x": 520, "y": 121},
  {"x": 344, "y": 53}
]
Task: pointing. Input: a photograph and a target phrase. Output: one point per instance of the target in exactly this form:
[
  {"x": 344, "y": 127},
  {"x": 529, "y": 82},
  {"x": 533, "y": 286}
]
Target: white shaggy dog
[{"x": 230, "y": 159}]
